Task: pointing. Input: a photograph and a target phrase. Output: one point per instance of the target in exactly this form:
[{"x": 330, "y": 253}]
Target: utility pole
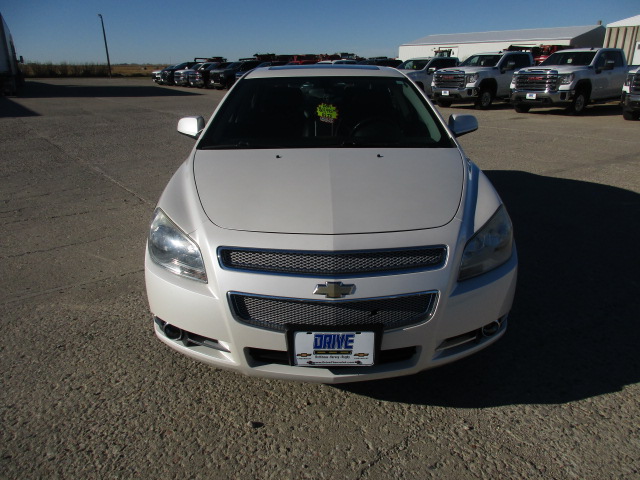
[{"x": 105, "y": 44}]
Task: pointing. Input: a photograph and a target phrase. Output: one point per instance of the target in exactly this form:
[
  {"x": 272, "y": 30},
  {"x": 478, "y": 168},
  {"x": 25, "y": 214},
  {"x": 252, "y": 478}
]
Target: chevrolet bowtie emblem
[{"x": 334, "y": 289}]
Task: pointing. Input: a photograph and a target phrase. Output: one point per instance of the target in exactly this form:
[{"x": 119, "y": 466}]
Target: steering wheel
[{"x": 379, "y": 127}]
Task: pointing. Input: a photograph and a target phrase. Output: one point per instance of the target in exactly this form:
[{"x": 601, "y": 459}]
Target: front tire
[
  {"x": 630, "y": 114},
  {"x": 522, "y": 108},
  {"x": 579, "y": 103},
  {"x": 485, "y": 99}
]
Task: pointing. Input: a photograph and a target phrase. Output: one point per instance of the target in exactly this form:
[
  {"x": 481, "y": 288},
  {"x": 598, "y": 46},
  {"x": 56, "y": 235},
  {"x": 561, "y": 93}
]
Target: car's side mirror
[
  {"x": 191, "y": 126},
  {"x": 511, "y": 65},
  {"x": 462, "y": 124},
  {"x": 431, "y": 70},
  {"x": 609, "y": 65}
]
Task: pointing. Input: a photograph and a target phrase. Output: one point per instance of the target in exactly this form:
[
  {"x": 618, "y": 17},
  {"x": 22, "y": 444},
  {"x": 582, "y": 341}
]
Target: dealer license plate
[
  {"x": 445, "y": 93},
  {"x": 333, "y": 348},
  {"x": 531, "y": 96}
]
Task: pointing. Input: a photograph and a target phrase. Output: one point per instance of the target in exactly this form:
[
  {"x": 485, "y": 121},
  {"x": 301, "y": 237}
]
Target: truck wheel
[
  {"x": 485, "y": 98},
  {"x": 578, "y": 104},
  {"x": 443, "y": 103},
  {"x": 522, "y": 108},
  {"x": 630, "y": 114}
]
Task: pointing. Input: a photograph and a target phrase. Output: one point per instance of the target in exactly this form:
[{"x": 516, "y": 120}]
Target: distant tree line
[{"x": 64, "y": 69}]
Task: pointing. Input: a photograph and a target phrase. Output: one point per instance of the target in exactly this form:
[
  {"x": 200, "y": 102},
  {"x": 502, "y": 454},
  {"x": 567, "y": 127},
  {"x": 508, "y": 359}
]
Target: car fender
[
  {"x": 180, "y": 198},
  {"x": 487, "y": 199}
]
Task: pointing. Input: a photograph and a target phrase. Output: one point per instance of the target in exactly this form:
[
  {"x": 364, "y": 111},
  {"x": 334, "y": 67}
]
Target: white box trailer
[{"x": 10, "y": 76}]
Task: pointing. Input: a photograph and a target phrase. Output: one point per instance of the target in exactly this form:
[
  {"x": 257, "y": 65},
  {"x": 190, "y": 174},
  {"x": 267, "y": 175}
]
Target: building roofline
[{"x": 530, "y": 34}]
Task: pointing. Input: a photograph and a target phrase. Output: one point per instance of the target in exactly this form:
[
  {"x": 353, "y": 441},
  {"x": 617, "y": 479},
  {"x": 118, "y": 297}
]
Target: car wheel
[
  {"x": 485, "y": 98},
  {"x": 521, "y": 108},
  {"x": 578, "y": 104},
  {"x": 630, "y": 114},
  {"x": 443, "y": 103}
]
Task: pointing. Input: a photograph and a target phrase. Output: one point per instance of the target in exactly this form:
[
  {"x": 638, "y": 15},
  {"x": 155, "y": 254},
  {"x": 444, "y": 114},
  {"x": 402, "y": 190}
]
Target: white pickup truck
[
  {"x": 631, "y": 95},
  {"x": 421, "y": 70},
  {"x": 572, "y": 79},
  {"x": 480, "y": 79}
]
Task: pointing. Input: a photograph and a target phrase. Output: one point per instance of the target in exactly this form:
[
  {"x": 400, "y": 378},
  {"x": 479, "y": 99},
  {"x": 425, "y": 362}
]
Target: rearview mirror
[
  {"x": 191, "y": 126},
  {"x": 462, "y": 124}
]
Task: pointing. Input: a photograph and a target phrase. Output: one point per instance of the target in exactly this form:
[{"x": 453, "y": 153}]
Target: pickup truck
[
  {"x": 480, "y": 79},
  {"x": 572, "y": 79},
  {"x": 631, "y": 95},
  {"x": 225, "y": 78},
  {"x": 421, "y": 70},
  {"x": 11, "y": 79}
]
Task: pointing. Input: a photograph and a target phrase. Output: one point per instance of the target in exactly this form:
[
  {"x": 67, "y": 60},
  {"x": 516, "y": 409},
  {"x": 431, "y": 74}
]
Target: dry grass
[{"x": 48, "y": 70}]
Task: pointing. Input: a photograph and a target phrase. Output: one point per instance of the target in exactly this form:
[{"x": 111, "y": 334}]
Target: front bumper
[
  {"x": 180, "y": 80},
  {"x": 631, "y": 101},
  {"x": 543, "y": 98},
  {"x": 215, "y": 337},
  {"x": 456, "y": 94}
]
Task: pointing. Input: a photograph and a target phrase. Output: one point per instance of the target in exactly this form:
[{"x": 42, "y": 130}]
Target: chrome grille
[
  {"x": 332, "y": 264},
  {"x": 273, "y": 313},
  {"x": 449, "y": 79},
  {"x": 536, "y": 82}
]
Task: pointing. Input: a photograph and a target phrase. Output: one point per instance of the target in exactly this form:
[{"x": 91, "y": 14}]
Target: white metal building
[
  {"x": 625, "y": 34},
  {"x": 464, "y": 44}
]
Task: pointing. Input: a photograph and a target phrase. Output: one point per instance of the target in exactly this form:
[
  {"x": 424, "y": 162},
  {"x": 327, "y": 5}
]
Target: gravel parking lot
[{"x": 88, "y": 392}]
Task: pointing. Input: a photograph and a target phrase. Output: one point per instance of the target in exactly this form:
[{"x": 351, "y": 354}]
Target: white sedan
[{"x": 328, "y": 227}]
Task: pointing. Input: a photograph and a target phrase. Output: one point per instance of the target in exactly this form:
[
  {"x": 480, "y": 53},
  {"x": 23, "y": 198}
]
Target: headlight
[
  {"x": 565, "y": 79},
  {"x": 172, "y": 249},
  {"x": 489, "y": 248},
  {"x": 471, "y": 78}
]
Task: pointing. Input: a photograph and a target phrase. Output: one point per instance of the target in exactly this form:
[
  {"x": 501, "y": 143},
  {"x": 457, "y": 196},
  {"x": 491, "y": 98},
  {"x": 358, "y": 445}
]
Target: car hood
[
  {"x": 465, "y": 69},
  {"x": 329, "y": 191},
  {"x": 554, "y": 68}
]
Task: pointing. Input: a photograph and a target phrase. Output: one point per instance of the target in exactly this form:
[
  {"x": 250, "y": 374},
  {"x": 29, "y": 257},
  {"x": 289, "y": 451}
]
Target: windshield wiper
[
  {"x": 242, "y": 144},
  {"x": 364, "y": 144}
]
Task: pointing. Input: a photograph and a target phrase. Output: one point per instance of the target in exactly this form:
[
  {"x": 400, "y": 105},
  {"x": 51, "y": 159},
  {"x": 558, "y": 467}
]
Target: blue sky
[{"x": 159, "y": 31}]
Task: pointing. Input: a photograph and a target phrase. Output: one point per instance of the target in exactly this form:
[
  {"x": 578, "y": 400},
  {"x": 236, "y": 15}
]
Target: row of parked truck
[
  {"x": 570, "y": 78},
  {"x": 217, "y": 72}
]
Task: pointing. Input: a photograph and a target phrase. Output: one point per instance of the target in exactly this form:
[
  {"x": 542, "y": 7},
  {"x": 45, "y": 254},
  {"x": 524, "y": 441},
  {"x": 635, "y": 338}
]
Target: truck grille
[
  {"x": 332, "y": 264},
  {"x": 536, "y": 82},
  {"x": 449, "y": 79},
  {"x": 274, "y": 313}
]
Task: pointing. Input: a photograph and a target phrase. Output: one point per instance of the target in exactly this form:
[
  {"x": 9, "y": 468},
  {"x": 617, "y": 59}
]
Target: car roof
[
  {"x": 325, "y": 70},
  {"x": 592, "y": 49}
]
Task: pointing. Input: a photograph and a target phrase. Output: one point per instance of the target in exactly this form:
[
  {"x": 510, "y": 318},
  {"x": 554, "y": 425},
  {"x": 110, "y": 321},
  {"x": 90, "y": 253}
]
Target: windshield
[
  {"x": 413, "y": 65},
  {"x": 570, "y": 58},
  {"x": 481, "y": 61},
  {"x": 181, "y": 66},
  {"x": 311, "y": 112}
]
